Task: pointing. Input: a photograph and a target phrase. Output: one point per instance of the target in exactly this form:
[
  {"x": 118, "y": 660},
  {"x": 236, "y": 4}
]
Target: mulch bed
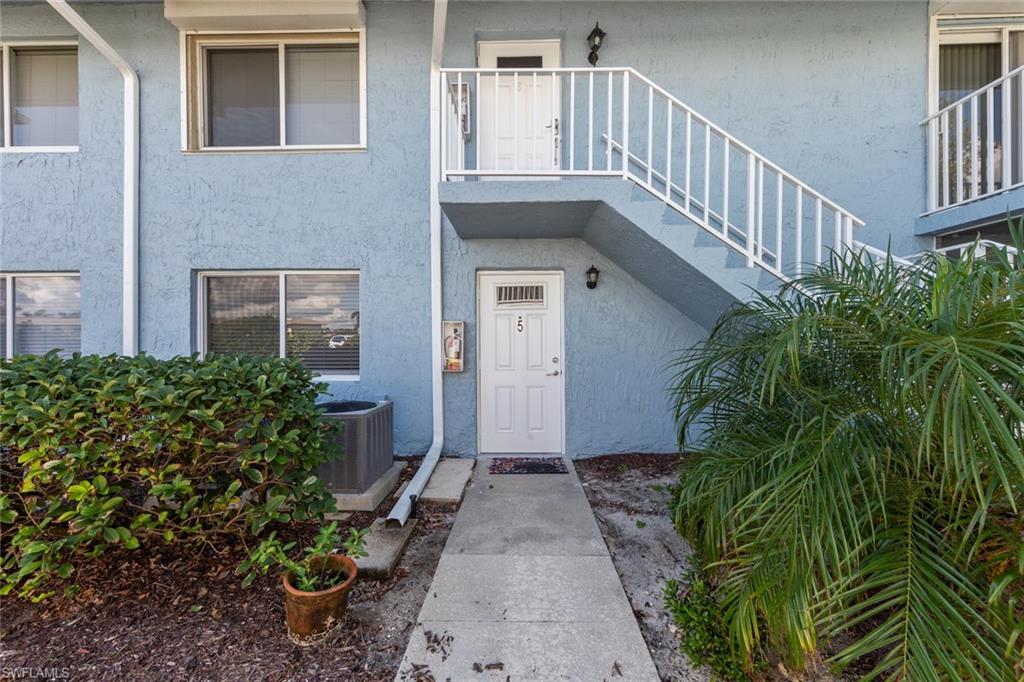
[
  {"x": 181, "y": 614},
  {"x": 615, "y": 467}
]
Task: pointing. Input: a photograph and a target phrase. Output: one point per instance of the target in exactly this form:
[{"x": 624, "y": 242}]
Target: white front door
[
  {"x": 522, "y": 372},
  {"x": 519, "y": 113}
]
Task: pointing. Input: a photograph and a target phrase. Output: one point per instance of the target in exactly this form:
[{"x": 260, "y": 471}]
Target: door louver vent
[{"x": 519, "y": 294}]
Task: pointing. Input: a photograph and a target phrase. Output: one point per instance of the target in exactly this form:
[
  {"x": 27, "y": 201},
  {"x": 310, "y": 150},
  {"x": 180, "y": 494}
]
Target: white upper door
[
  {"x": 519, "y": 113},
  {"x": 522, "y": 373}
]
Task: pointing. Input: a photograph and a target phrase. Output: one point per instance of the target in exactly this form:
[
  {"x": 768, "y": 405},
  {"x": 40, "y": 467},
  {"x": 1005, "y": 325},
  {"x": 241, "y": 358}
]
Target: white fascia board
[{"x": 265, "y": 15}]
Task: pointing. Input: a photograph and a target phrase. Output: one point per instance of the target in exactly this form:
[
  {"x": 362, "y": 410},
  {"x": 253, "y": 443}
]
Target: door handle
[{"x": 554, "y": 374}]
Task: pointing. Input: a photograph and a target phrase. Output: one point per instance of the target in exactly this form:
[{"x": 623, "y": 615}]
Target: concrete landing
[
  {"x": 448, "y": 481},
  {"x": 525, "y": 590}
]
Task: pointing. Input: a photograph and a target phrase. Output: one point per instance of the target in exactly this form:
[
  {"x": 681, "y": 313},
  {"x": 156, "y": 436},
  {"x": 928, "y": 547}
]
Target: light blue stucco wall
[{"x": 831, "y": 91}]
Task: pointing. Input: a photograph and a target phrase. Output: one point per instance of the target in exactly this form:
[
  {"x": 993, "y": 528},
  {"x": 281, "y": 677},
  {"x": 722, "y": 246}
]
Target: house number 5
[{"x": 519, "y": 324}]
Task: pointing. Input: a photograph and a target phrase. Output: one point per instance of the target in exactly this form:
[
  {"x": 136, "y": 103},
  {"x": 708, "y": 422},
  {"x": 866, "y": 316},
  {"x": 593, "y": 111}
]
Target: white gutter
[
  {"x": 400, "y": 513},
  {"x": 130, "y": 191}
]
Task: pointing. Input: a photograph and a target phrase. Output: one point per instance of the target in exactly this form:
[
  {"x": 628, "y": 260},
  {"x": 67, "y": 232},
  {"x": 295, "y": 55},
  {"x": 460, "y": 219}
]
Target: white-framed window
[
  {"x": 40, "y": 312},
  {"x": 312, "y": 315},
  {"x": 259, "y": 92},
  {"x": 40, "y": 96}
]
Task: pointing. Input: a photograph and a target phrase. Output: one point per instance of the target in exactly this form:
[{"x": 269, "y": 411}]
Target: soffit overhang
[{"x": 265, "y": 15}]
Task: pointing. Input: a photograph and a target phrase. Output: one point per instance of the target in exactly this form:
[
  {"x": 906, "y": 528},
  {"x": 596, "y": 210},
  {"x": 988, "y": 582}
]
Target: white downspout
[
  {"x": 130, "y": 191},
  {"x": 400, "y": 513}
]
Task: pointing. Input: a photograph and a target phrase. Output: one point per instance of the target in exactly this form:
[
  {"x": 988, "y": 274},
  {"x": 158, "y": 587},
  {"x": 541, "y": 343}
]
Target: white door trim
[{"x": 560, "y": 276}]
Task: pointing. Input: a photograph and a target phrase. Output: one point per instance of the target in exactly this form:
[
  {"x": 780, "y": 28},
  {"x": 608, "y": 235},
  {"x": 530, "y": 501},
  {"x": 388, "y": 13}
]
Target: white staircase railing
[
  {"x": 508, "y": 123},
  {"x": 982, "y": 248},
  {"x": 975, "y": 145}
]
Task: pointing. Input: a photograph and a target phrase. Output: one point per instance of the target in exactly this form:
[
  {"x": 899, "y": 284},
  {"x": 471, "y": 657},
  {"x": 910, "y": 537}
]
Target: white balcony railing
[
  {"x": 975, "y": 145},
  {"x": 565, "y": 123}
]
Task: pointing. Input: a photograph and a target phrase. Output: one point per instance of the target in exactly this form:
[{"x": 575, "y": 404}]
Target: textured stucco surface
[{"x": 831, "y": 91}]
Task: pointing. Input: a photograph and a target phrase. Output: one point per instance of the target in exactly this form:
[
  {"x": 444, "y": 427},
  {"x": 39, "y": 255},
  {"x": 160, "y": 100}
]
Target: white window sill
[
  {"x": 336, "y": 377},
  {"x": 292, "y": 148},
  {"x": 39, "y": 150}
]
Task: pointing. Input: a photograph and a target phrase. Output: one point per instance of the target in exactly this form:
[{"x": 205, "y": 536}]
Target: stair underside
[{"x": 675, "y": 258}]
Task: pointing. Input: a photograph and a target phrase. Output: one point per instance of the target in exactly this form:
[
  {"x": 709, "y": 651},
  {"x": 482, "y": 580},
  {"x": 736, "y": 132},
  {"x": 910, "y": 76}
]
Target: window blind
[
  {"x": 243, "y": 315},
  {"x": 322, "y": 326},
  {"x": 47, "y": 315},
  {"x": 322, "y": 94},
  {"x": 44, "y": 96},
  {"x": 965, "y": 68},
  {"x": 242, "y": 94}
]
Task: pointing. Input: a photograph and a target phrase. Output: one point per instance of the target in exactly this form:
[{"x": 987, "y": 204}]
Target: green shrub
[
  {"x": 703, "y": 637},
  {"x": 101, "y": 452},
  {"x": 860, "y": 478}
]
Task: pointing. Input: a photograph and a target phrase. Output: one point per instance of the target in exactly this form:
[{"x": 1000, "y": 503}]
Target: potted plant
[{"x": 317, "y": 585}]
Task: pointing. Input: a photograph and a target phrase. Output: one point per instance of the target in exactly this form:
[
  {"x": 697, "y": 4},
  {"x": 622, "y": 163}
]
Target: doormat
[{"x": 528, "y": 465}]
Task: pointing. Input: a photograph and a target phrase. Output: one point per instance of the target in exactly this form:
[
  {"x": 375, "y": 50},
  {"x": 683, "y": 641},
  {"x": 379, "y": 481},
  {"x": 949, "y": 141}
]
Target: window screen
[
  {"x": 243, "y": 94},
  {"x": 47, "y": 315},
  {"x": 44, "y": 97},
  {"x": 320, "y": 325},
  {"x": 323, "y": 321},
  {"x": 243, "y": 315},
  {"x": 322, "y": 94}
]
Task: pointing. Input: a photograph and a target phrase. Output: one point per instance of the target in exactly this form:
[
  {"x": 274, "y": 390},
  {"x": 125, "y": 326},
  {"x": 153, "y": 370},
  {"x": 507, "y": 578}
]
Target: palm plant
[{"x": 859, "y": 467}]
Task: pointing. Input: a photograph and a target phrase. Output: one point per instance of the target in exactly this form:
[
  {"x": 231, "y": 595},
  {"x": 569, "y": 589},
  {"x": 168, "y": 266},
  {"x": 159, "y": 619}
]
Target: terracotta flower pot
[{"x": 312, "y": 615}]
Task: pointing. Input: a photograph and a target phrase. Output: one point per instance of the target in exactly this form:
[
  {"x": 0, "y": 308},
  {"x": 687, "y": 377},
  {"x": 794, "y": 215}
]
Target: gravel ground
[
  {"x": 630, "y": 495},
  {"x": 182, "y": 615}
]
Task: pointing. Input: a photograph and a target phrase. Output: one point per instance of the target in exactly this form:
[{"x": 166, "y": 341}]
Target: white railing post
[
  {"x": 608, "y": 147},
  {"x": 990, "y": 142},
  {"x": 572, "y": 122},
  {"x": 960, "y": 183},
  {"x": 975, "y": 159},
  {"x": 933, "y": 149},
  {"x": 515, "y": 123},
  {"x": 476, "y": 128},
  {"x": 799, "y": 230},
  {"x": 686, "y": 160},
  {"x": 817, "y": 231},
  {"x": 945, "y": 159},
  {"x": 533, "y": 123},
  {"x": 1007, "y": 134},
  {"x": 650, "y": 134},
  {"x": 668, "y": 149},
  {"x": 590, "y": 123},
  {"x": 625, "y": 124},
  {"x": 778, "y": 222},
  {"x": 725, "y": 188},
  {"x": 446, "y": 114},
  {"x": 494, "y": 123},
  {"x": 751, "y": 170},
  {"x": 707, "y": 171}
]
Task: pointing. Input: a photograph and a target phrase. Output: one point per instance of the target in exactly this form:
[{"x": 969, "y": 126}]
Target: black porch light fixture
[
  {"x": 592, "y": 275},
  {"x": 595, "y": 40}
]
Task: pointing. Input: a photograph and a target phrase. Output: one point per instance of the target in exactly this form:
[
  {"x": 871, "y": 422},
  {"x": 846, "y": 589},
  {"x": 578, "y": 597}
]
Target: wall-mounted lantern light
[
  {"x": 595, "y": 40},
  {"x": 592, "y": 275}
]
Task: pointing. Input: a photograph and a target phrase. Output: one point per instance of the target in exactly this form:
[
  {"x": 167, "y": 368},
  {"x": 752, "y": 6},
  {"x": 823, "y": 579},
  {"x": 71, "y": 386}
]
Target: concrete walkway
[{"x": 525, "y": 590}]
